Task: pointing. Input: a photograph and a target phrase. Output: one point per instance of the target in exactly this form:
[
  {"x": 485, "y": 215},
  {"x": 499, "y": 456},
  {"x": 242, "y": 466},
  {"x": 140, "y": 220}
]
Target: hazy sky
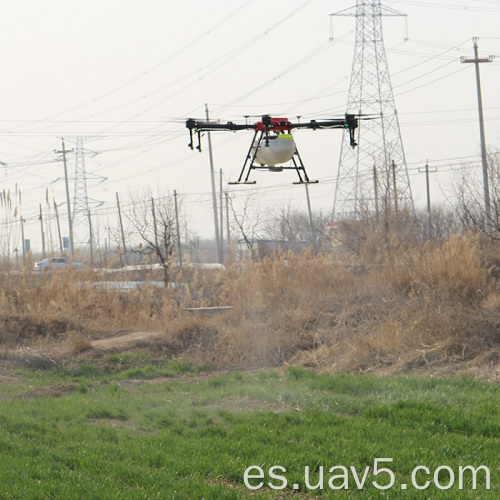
[{"x": 126, "y": 74}]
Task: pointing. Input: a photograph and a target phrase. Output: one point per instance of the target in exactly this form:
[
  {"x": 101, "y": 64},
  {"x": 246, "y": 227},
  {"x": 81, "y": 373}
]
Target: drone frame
[{"x": 262, "y": 129}]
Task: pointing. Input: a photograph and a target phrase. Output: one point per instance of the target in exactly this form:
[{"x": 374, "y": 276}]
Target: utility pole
[
  {"x": 214, "y": 193},
  {"x": 68, "y": 199},
  {"x": 178, "y": 228},
  {"x": 58, "y": 227},
  {"x": 484, "y": 159},
  {"x": 428, "y": 190},
  {"x": 22, "y": 236},
  {"x": 155, "y": 226},
  {"x": 121, "y": 228},
  {"x": 221, "y": 211},
  {"x": 21, "y": 220},
  {"x": 91, "y": 240},
  {"x": 43, "y": 232},
  {"x": 105, "y": 252},
  {"x": 428, "y": 198},
  {"x": 311, "y": 223},
  {"x": 228, "y": 237}
]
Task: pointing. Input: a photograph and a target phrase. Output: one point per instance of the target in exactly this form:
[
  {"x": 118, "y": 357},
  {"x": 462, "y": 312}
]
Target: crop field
[
  {"x": 170, "y": 431},
  {"x": 364, "y": 375}
]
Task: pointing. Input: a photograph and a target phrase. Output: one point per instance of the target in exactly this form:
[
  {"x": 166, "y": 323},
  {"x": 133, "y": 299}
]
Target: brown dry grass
[{"x": 396, "y": 307}]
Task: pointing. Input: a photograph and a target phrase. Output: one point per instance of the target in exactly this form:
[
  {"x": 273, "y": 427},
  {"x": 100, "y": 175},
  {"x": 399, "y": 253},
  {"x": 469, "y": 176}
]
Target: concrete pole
[
  {"x": 178, "y": 230},
  {"x": 484, "y": 158},
  {"x": 58, "y": 227},
  {"x": 311, "y": 223},
  {"x": 68, "y": 200},
  {"x": 121, "y": 228},
  {"x": 214, "y": 192}
]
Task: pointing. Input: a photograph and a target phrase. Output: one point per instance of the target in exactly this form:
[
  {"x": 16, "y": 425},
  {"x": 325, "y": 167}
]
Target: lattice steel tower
[
  {"x": 82, "y": 204},
  {"x": 80, "y": 197},
  {"x": 373, "y": 176}
]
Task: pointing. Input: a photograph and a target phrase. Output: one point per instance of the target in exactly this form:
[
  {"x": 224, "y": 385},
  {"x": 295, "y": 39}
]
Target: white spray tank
[{"x": 275, "y": 149}]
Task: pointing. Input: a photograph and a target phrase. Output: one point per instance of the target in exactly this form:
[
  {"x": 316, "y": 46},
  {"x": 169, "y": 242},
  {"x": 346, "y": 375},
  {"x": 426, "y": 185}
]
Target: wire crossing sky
[{"x": 125, "y": 76}]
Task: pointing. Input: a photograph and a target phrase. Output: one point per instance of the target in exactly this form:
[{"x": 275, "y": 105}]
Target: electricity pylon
[
  {"x": 375, "y": 172},
  {"x": 81, "y": 201}
]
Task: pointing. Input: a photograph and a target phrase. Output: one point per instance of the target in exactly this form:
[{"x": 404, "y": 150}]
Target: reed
[{"x": 395, "y": 306}]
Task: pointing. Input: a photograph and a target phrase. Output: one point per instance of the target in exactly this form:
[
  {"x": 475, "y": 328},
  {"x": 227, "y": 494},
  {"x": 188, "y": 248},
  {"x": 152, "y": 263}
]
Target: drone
[{"x": 272, "y": 144}]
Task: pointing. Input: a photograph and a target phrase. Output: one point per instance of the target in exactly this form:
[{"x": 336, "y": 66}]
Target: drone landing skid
[
  {"x": 250, "y": 164},
  {"x": 306, "y": 182}
]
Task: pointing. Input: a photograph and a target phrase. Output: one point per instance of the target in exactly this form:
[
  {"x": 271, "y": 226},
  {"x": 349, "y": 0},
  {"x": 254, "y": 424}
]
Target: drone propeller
[
  {"x": 279, "y": 130},
  {"x": 268, "y": 124}
]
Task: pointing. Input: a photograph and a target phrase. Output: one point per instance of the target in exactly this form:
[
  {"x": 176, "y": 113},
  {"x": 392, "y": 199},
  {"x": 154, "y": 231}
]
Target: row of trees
[
  {"x": 464, "y": 210},
  {"x": 153, "y": 228}
]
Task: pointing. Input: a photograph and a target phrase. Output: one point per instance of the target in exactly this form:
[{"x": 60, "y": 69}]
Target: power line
[
  {"x": 156, "y": 66},
  {"x": 438, "y": 5}
]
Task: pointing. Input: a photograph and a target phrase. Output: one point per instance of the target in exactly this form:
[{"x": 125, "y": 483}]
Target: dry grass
[{"x": 396, "y": 307}]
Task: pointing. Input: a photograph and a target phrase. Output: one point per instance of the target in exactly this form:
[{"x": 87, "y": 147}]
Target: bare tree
[
  {"x": 289, "y": 224},
  {"x": 469, "y": 193},
  {"x": 444, "y": 222},
  {"x": 153, "y": 224},
  {"x": 246, "y": 220}
]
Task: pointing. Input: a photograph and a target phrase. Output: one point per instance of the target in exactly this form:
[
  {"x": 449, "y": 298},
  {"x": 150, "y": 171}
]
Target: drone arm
[
  {"x": 350, "y": 123},
  {"x": 208, "y": 126},
  {"x": 198, "y": 127},
  {"x": 315, "y": 125}
]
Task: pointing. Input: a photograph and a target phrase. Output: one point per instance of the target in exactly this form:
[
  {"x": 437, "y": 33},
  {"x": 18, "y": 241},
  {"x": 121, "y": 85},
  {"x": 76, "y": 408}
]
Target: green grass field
[{"x": 166, "y": 431}]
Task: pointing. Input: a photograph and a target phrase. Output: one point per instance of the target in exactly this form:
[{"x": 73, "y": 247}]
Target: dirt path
[
  {"x": 54, "y": 353},
  {"x": 125, "y": 341}
]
